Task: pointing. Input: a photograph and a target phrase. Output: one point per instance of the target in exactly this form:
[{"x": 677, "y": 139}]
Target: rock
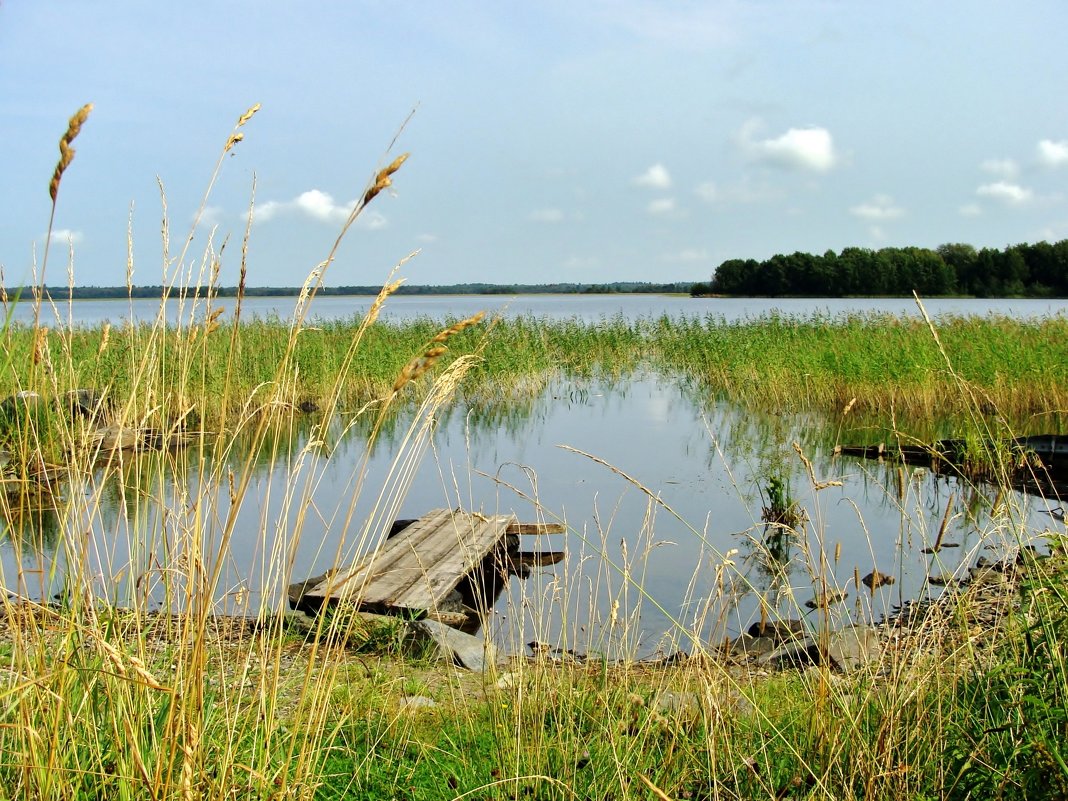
[
  {"x": 679, "y": 704},
  {"x": 299, "y": 621},
  {"x": 116, "y": 438},
  {"x": 308, "y": 406},
  {"x": 799, "y": 653},
  {"x": 830, "y": 598},
  {"x": 944, "y": 579},
  {"x": 507, "y": 681},
  {"x": 20, "y": 403},
  {"x": 86, "y": 403},
  {"x": 778, "y": 630},
  {"x": 467, "y": 651},
  {"x": 749, "y": 647},
  {"x": 417, "y": 702},
  {"x": 988, "y": 577},
  {"x": 542, "y": 650},
  {"x": 853, "y": 647},
  {"x": 874, "y": 580}
]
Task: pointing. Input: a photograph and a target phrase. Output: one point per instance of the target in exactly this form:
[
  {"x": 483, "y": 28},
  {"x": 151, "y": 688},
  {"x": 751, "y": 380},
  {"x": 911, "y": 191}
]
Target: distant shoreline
[{"x": 157, "y": 291}]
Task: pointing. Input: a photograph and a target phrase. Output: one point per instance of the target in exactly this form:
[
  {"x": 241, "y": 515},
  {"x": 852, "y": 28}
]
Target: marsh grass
[
  {"x": 878, "y": 374},
  {"x": 137, "y": 703}
]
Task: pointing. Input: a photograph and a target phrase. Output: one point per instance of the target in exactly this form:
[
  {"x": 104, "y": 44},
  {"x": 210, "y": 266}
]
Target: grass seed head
[
  {"x": 383, "y": 180},
  {"x": 247, "y": 116},
  {"x": 66, "y": 152}
]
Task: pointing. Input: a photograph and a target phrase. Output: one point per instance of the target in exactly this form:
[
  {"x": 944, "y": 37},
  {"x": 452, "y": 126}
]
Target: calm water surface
[
  {"x": 584, "y": 307},
  {"x": 676, "y": 540}
]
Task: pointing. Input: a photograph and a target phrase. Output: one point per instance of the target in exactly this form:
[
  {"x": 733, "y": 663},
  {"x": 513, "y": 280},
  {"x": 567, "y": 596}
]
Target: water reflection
[{"x": 662, "y": 494}]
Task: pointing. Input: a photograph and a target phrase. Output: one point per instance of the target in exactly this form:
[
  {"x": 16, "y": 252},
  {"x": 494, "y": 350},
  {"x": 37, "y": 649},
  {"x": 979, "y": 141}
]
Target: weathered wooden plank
[
  {"x": 346, "y": 583},
  {"x": 515, "y": 528},
  {"x": 536, "y": 528},
  {"x": 419, "y": 566},
  {"x": 457, "y": 552}
]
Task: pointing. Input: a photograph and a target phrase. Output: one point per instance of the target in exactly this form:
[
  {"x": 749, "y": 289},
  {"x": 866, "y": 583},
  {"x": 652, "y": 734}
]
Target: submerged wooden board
[{"x": 419, "y": 566}]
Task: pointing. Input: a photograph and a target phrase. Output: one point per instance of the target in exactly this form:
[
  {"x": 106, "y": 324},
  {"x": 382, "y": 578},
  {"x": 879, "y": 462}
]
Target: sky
[{"x": 550, "y": 141}]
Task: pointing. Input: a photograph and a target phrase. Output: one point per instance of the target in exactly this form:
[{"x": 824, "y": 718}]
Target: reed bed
[
  {"x": 886, "y": 370},
  {"x": 880, "y": 366}
]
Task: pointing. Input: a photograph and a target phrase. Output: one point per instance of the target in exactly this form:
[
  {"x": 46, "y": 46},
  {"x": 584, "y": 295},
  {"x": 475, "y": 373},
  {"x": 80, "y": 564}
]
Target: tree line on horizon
[
  {"x": 1025, "y": 270},
  {"x": 157, "y": 291}
]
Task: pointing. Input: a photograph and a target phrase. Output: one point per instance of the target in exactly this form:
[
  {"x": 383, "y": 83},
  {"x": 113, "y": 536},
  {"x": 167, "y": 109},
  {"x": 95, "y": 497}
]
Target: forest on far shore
[{"x": 1038, "y": 270}]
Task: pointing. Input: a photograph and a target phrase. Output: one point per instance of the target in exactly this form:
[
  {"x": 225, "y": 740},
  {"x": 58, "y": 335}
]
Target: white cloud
[
  {"x": 880, "y": 207},
  {"x": 1005, "y": 168},
  {"x": 65, "y": 236},
  {"x": 210, "y": 217},
  {"x": 664, "y": 205},
  {"x": 1011, "y": 194},
  {"x": 1053, "y": 154},
  {"x": 371, "y": 220},
  {"x": 546, "y": 216},
  {"x": 656, "y": 177},
  {"x": 317, "y": 205},
  {"x": 809, "y": 149},
  {"x": 687, "y": 255},
  {"x": 321, "y": 206}
]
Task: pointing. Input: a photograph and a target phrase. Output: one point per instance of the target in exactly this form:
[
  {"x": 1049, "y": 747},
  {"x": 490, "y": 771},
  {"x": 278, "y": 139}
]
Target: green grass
[{"x": 882, "y": 371}]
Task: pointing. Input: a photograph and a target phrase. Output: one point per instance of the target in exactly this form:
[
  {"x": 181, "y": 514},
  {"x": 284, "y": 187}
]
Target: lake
[
  {"x": 589, "y": 308},
  {"x": 665, "y": 542}
]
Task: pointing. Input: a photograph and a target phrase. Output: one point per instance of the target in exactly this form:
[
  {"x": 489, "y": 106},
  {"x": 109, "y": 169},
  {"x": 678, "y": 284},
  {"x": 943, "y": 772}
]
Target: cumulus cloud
[
  {"x": 656, "y": 177},
  {"x": 880, "y": 207},
  {"x": 65, "y": 236},
  {"x": 1005, "y": 168},
  {"x": 371, "y": 220},
  {"x": 1008, "y": 193},
  {"x": 317, "y": 205},
  {"x": 809, "y": 149},
  {"x": 1053, "y": 154},
  {"x": 664, "y": 205},
  {"x": 546, "y": 216}
]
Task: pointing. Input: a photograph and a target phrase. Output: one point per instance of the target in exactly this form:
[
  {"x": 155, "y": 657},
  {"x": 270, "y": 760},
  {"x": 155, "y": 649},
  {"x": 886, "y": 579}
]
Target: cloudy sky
[{"x": 551, "y": 141}]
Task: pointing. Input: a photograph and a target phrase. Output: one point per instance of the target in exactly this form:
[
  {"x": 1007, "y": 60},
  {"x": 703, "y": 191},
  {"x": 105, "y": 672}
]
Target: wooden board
[
  {"x": 419, "y": 566},
  {"x": 536, "y": 528}
]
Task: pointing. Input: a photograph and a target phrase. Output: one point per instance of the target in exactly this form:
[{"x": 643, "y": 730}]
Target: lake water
[
  {"x": 679, "y": 546},
  {"x": 590, "y": 308},
  {"x": 664, "y": 543}
]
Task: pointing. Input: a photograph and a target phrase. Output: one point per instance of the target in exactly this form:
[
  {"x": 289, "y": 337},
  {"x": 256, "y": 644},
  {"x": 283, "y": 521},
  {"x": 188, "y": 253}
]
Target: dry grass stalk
[
  {"x": 66, "y": 152},
  {"x": 420, "y": 364},
  {"x": 40, "y": 345},
  {"x": 383, "y": 294},
  {"x": 104, "y": 336}
]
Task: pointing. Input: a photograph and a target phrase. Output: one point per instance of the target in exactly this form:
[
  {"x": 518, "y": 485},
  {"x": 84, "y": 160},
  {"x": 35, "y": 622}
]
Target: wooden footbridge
[{"x": 422, "y": 561}]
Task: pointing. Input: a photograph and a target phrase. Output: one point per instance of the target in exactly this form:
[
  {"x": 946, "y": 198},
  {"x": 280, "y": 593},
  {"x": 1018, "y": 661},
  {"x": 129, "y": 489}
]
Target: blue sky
[{"x": 551, "y": 141}]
